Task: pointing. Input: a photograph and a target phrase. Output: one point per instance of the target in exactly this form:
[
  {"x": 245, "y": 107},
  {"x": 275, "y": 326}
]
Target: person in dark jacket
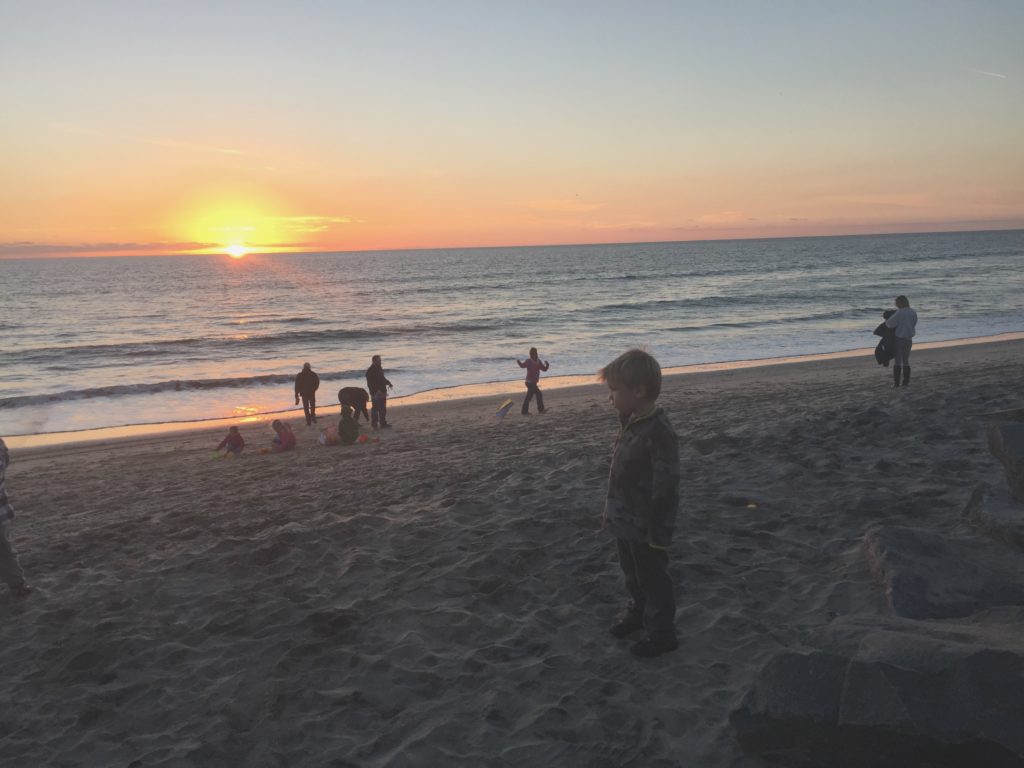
[
  {"x": 643, "y": 495},
  {"x": 886, "y": 349},
  {"x": 306, "y": 385},
  {"x": 10, "y": 568},
  {"x": 356, "y": 399},
  {"x": 378, "y": 385}
]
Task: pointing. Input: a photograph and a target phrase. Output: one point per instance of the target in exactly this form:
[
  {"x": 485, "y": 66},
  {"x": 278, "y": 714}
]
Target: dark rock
[
  {"x": 1006, "y": 441},
  {"x": 893, "y": 693},
  {"x": 997, "y": 515},
  {"x": 928, "y": 575}
]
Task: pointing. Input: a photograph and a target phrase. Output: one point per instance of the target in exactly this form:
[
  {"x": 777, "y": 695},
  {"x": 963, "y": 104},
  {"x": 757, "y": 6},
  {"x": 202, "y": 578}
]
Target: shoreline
[{"x": 458, "y": 392}]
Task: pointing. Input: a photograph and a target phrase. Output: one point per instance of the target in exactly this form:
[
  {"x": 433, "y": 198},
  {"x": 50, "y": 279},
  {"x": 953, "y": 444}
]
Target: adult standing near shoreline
[
  {"x": 10, "y": 568},
  {"x": 378, "y": 385},
  {"x": 904, "y": 321},
  {"x": 306, "y": 385},
  {"x": 533, "y": 365}
]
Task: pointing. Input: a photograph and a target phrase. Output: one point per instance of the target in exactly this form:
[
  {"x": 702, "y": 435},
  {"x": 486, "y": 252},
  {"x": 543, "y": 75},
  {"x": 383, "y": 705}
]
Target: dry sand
[{"x": 442, "y": 598}]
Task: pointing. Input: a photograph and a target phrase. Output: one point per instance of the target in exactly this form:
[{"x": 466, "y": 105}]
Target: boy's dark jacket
[{"x": 643, "y": 483}]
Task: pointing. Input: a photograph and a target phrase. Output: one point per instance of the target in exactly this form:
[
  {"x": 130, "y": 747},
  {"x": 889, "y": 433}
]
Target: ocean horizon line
[{"x": 255, "y": 250}]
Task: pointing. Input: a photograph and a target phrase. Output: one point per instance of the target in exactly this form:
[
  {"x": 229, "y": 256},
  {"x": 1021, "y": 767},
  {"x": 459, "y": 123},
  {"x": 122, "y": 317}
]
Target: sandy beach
[{"x": 442, "y": 597}]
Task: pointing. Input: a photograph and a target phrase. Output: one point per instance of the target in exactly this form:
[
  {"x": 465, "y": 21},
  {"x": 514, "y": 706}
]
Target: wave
[
  {"x": 840, "y": 314},
  {"x": 176, "y": 385},
  {"x": 168, "y": 347}
]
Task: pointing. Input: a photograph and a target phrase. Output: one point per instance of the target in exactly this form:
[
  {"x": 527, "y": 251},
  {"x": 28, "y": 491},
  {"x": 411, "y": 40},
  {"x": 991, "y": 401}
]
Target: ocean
[{"x": 98, "y": 342}]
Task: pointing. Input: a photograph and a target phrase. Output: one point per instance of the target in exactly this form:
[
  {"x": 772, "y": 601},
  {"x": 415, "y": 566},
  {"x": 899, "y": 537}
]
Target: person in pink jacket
[
  {"x": 533, "y": 365},
  {"x": 234, "y": 442},
  {"x": 285, "y": 440}
]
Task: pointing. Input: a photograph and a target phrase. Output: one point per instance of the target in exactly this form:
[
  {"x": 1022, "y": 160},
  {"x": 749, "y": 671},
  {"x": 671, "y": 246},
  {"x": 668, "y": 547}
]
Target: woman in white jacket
[{"x": 904, "y": 321}]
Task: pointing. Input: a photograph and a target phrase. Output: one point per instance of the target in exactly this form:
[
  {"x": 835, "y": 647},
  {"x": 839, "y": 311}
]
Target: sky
[{"x": 321, "y": 125}]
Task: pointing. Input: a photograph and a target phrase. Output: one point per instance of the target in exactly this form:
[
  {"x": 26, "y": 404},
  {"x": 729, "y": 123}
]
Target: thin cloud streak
[
  {"x": 990, "y": 74},
  {"x": 30, "y": 248}
]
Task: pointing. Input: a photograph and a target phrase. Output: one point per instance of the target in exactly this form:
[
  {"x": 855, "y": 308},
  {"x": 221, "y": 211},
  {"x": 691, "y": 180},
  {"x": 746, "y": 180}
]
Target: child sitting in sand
[
  {"x": 285, "y": 439},
  {"x": 643, "y": 494},
  {"x": 233, "y": 443},
  {"x": 348, "y": 427}
]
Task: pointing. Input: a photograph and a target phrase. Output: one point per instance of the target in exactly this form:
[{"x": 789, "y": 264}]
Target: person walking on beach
[
  {"x": 643, "y": 495},
  {"x": 533, "y": 366},
  {"x": 10, "y": 568},
  {"x": 904, "y": 321},
  {"x": 306, "y": 385},
  {"x": 378, "y": 385}
]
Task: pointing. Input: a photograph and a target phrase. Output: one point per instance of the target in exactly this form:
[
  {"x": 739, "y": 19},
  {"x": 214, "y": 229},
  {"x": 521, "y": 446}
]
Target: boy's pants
[
  {"x": 650, "y": 585},
  {"x": 10, "y": 570},
  {"x": 379, "y": 409}
]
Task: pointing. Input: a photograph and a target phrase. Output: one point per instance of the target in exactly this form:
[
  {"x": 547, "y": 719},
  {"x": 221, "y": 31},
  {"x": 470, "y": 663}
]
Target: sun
[{"x": 236, "y": 250}]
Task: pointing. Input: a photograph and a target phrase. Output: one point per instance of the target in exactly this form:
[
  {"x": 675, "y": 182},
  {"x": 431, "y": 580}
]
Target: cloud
[
  {"x": 193, "y": 147},
  {"x": 156, "y": 142},
  {"x": 719, "y": 217},
  {"x": 990, "y": 74},
  {"x": 571, "y": 205},
  {"x": 314, "y": 223},
  {"x": 31, "y": 249}
]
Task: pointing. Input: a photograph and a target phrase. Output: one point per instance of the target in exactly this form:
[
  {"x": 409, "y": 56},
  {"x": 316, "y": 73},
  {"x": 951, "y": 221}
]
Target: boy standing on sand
[
  {"x": 643, "y": 494},
  {"x": 10, "y": 569},
  {"x": 904, "y": 320}
]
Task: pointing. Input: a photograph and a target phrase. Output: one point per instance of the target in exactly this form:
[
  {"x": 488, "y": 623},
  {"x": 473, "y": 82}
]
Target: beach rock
[
  {"x": 1006, "y": 441},
  {"x": 997, "y": 515},
  {"x": 893, "y": 693},
  {"x": 928, "y": 575}
]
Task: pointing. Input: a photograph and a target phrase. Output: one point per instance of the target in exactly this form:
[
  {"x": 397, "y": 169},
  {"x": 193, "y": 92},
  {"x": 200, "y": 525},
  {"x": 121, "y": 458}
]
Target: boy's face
[{"x": 625, "y": 399}]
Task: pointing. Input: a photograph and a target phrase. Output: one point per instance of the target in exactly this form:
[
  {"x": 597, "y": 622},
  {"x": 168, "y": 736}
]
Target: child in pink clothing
[
  {"x": 234, "y": 442},
  {"x": 285, "y": 440},
  {"x": 533, "y": 365}
]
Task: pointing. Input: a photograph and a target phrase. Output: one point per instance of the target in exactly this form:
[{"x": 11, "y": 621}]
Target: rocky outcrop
[
  {"x": 997, "y": 515},
  {"x": 893, "y": 692},
  {"x": 1006, "y": 441},
  {"x": 928, "y": 575}
]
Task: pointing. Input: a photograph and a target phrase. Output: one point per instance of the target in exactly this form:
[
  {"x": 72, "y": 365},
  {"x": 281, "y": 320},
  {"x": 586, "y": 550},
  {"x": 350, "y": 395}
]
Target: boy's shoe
[
  {"x": 542, "y": 410},
  {"x": 22, "y": 591},
  {"x": 649, "y": 647},
  {"x": 627, "y": 625}
]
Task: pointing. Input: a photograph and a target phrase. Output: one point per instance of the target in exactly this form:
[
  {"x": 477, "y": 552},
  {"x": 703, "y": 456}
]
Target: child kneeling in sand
[
  {"x": 285, "y": 439},
  {"x": 643, "y": 494},
  {"x": 348, "y": 427},
  {"x": 233, "y": 443}
]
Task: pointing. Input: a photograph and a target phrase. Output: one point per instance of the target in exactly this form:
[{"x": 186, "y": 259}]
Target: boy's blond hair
[{"x": 635, "y": 368}]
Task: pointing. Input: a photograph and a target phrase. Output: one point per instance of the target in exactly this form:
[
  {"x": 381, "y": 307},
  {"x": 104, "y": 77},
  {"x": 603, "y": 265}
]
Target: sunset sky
[{"x": 173, "y": 127}]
